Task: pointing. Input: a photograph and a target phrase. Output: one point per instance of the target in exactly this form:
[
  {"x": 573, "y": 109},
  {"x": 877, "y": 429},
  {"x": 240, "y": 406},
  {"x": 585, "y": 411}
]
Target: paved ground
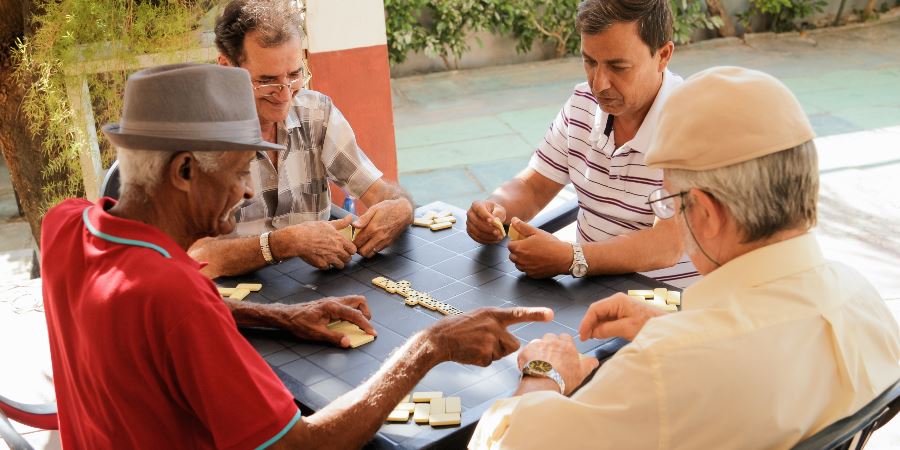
[{"x": 461, "y": 134}]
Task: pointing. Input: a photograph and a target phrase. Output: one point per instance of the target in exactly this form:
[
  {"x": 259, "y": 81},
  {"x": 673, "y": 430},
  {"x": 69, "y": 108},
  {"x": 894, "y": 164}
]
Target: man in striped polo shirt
[{"x": 597, "y": 143}]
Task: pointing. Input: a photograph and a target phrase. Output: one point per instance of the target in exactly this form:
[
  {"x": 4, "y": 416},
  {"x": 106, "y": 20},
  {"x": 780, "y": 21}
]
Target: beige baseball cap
[{"x": 726, "y": 115}]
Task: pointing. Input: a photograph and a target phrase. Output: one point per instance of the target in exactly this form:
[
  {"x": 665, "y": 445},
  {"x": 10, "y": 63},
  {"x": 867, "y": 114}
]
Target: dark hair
[
  {"x": 276, "y": 21},
  {"x": 654, "y": 18}
]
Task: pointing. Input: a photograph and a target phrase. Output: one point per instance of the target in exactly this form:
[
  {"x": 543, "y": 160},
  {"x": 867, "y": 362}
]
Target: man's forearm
[
  {"x": 248, "y": 314},
  {"x": 518, "y": 199},
  {"x": 228, "y": 256},
  {"x": 351, "y": 420},
  {"x": 639, "y": 251}
]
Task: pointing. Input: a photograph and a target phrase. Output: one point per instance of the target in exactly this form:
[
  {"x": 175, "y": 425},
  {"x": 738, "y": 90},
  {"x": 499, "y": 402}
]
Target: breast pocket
[{"x": 312, "y": 197}]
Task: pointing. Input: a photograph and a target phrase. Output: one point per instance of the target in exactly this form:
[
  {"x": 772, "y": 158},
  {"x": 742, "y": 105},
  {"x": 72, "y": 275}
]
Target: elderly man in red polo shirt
[{"x": 145, "y": 353}]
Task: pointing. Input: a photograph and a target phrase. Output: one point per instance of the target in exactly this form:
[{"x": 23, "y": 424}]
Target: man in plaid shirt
[{"x": 289, "y": 214}]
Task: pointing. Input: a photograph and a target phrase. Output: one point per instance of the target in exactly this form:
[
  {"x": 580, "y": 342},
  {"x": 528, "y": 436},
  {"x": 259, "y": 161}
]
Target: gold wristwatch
[{"x": 538, "y": 368}]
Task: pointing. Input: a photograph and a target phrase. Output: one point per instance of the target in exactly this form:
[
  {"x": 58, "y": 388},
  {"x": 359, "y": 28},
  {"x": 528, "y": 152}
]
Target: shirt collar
[
  {"x": 103, "y": 225},
  {"x": 293, "y": 120},
  {"x": 755, "y": 268},
  {"x": 641, "y": 140}
]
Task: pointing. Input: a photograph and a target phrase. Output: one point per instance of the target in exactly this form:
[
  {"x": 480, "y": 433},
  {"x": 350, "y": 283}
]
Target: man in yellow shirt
[{"x": 774, "y": 344}]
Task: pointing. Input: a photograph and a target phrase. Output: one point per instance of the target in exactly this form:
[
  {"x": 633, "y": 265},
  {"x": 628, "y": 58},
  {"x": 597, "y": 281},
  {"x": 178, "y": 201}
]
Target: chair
[
  {"x": 110, "y": 186},
  {"x": 37, "y": 416},
  {"x": 557, "y": 218},
  {"x": 853, "y": 432}
]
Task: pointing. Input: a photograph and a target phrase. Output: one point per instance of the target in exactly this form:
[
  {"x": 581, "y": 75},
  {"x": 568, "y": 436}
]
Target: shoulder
[
  {"x": 67, "y": 209},
  {"x": 310, "y": 99},
  {"x": 582, "y": 95},
  {"x": 63, "y": 215}
]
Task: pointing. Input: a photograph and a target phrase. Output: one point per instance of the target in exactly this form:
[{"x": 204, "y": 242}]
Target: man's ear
[
  {"x": 710, "y": 212},
  {"x": 665, "y": 55},
  {"x": 223, "y": 61},
  {"x": 181, "y": 170}
]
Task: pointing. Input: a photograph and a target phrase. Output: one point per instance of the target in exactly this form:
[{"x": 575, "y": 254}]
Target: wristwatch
[
  {"x": 579, "y": 264},
  {"x": 538, "y": 368},
  {"x": 266, "y": 249}
]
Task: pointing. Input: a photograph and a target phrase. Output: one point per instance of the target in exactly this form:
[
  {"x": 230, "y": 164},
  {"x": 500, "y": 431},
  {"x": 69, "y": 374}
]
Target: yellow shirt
[{"x": 769, "y": 348}]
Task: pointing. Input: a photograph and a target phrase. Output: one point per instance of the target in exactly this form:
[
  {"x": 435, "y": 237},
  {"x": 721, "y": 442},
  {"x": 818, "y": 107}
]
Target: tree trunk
[
  {"x": 20, "y": 148},
  {"x": 868, "y": 10},
  {"x": 715, "y": 8}
]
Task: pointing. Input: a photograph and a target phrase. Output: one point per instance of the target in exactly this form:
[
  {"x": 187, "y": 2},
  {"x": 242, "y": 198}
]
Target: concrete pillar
[{"x": 348, "y": 58}]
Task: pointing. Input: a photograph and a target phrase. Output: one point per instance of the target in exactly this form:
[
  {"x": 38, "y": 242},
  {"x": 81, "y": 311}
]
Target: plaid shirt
[{"x": 321, "y": 146}]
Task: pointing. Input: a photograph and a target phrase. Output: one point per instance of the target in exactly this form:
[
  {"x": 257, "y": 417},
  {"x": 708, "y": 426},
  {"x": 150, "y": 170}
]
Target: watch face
[
  {"x": 579, "y": 270},
  {"x": 540, "y": 366}
]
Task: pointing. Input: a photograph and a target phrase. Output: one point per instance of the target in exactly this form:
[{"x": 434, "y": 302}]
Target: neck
[
  {"x": 739, "y": 249},
  {"x": 269, "y": 131},
  {"x": 138, "y": 207}
]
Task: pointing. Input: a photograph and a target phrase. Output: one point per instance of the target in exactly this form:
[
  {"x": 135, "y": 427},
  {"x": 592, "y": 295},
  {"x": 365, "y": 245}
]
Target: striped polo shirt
[{"x": 612, "y": 183}]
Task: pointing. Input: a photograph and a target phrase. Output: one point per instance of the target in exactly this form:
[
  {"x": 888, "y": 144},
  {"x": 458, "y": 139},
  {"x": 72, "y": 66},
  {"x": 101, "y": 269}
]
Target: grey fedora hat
[{"x": 189, "y": 107}]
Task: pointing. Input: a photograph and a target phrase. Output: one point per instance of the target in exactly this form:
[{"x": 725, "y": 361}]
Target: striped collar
[{"x": 104, "y": 226}]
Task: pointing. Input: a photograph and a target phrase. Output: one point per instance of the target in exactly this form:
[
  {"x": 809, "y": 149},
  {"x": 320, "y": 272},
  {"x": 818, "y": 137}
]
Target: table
[{"x": 453, "y": 268}]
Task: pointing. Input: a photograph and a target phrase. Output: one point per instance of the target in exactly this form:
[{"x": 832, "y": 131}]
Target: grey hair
[
  {"x": 144, "y": 168},
  {"x": 765, "y": 195},
  {"x": 275, "y": 21}
]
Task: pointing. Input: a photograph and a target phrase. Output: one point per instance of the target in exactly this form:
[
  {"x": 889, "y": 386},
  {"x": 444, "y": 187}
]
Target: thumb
[
  {"x": 335, "y": 337},
  {"x": 340, "y": 224},
  {"x": 364, "y": 219},
  {"x": 525, "y": 229}
]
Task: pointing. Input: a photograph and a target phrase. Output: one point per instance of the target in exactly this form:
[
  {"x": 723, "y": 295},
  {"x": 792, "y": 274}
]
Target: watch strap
[{"x": 266, "y": 249}]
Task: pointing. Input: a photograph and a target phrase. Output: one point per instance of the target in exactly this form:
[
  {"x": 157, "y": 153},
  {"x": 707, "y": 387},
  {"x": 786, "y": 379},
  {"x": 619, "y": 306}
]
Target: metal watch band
[
  {"x": 551, "y": 374},
  {"x": 266, "y": 250},
  {"x": 577, "y": 259}
]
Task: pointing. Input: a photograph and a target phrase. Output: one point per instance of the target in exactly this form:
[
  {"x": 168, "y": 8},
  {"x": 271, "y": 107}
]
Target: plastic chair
[
  {"x": 853, "y": 432},
  {"x": 110, "y": 186},
  {"x": 37, "y": 416}
]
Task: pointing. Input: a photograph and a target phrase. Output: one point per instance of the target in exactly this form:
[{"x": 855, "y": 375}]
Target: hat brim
[{"x": 166, "y": 144}]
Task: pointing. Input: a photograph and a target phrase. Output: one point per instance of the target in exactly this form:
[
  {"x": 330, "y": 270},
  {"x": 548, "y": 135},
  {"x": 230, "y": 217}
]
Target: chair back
[
  {"x": 110, "y": 186},
  {"x": 853, "y": 432}
]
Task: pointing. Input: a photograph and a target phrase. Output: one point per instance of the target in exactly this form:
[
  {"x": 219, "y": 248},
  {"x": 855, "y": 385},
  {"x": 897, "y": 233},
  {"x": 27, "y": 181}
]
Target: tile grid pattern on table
[{"x": 452, "y": 268}]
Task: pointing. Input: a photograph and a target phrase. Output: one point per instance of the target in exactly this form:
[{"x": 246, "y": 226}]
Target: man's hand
[
  {"x": 310, "y": 321},
  {"x": 317, "y": 243},
  {"x": 560, "y": 352},
  {"x": 481, "y": 221},
  {"x": 539, "y": 254},
  {"x": 617, "y": 315},
  {"x": 480, "y": 337},
  {"x": 381, "y": 225}
]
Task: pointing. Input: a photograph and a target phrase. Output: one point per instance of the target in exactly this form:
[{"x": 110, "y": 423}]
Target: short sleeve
[
  {"x": 619, "y": 408},
  {"x": 345, "y": 162},
  {"x": 551, "y": 158},
  {"x": 225, "y": 382}
]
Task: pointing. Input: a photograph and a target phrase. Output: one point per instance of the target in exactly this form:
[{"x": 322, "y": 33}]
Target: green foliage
[
  {"x": 781, "y": 15},
  {"x": 690, "y": 15},
  {"x": 69, "y": 35},
  {"x": 440, "y": 28},
  {"x": 544, "y": 20}
]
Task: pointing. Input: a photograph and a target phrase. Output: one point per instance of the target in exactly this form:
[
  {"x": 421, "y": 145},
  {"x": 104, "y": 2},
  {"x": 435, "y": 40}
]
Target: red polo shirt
[{"x": 145, "y": 353}]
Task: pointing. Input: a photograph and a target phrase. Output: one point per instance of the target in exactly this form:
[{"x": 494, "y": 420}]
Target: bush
[
  {"x": 440, "y": 28},
  {"x": 781, "y": 15}
]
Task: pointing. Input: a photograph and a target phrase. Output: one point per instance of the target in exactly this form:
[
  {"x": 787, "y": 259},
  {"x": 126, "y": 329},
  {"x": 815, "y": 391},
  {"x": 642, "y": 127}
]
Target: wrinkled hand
[
  {"x": 480, "y": 337},
  {"x": 616, "y": 316},
  {"x": 310, "y": 321},
  {"x": 480, "y": 221},
  {"x": 560, "y": 351},
  {"x": 539, "y": 254},
  {"x": 381, "y": 225},
  {"x": 317, "y": 243}
]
